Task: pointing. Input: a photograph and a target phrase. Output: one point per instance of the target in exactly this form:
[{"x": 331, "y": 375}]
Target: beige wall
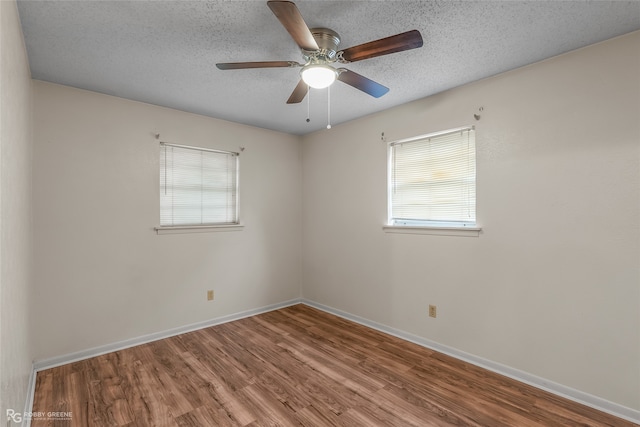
[
  {"x": 102, "y": 273},
  {"x": 552, "y": 285},
  {"x": 15, "y": 212}
]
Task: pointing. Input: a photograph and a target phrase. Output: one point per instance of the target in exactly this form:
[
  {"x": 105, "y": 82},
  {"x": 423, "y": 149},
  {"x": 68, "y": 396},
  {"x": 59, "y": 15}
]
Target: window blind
[
  {"x": 432, "y": 180},
  {"x": 197, "y": 186}
]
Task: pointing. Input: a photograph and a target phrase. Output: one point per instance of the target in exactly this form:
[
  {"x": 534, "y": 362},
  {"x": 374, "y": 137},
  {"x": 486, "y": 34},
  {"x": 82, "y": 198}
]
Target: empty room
[{"x": 319, "y": 213}]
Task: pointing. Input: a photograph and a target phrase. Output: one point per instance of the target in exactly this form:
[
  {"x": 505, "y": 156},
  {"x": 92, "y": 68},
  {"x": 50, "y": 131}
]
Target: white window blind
[
  {"x": 197, "y": 186},
  {"x": 432, "y": 180}
]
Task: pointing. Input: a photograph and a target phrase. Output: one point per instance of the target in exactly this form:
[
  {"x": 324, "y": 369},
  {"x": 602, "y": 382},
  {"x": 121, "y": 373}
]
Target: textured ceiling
[{"x": 164, "y": 52}]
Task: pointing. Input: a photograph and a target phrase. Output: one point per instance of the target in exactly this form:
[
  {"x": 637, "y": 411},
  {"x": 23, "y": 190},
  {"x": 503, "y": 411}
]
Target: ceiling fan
[{"x": 320, "y": 50}]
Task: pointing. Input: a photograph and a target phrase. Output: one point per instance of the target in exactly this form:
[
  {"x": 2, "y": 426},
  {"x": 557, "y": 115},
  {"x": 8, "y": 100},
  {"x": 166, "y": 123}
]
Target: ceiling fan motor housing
[{"x": 327, "y": 40}]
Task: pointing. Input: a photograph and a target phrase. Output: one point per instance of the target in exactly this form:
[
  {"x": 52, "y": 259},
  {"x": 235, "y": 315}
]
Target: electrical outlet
[
  {"x": 209, "y": 295},
  {"x": 432, "y": 310}
]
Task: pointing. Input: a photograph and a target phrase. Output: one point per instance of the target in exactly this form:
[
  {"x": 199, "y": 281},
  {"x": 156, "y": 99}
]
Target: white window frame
[
  {"x": 427, "y": 226},
  {"x": 234, "y": 222}
]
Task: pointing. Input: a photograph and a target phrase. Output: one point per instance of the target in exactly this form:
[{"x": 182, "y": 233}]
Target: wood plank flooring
[{"x": 296, "y": 366}]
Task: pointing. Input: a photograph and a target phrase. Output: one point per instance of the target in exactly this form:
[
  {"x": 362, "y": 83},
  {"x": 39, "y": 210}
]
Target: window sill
[
  {"x": 198, "y": 229},
  {"x": 435, "y": 231}
]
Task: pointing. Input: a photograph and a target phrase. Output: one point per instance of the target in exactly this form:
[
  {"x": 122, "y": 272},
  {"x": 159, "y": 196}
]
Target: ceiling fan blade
[
  {"x": 360, "y": 82},
  {"x": 291, "y": 19},
  {"x": 264, "y": 64},
  {"x": 298, "y": 93},
  {"x": 398, "y": 43}
]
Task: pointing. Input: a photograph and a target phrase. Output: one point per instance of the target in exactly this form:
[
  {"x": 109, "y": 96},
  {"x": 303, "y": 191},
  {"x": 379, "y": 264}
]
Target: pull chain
[
  {"x": 308, "y": 102},
  {"x": 329, "y": 107}
]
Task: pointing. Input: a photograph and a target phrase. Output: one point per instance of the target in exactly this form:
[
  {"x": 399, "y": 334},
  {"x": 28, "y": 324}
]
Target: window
[
  {"x": 197, "y": 186},
  {"x": 432, "y": 180}
]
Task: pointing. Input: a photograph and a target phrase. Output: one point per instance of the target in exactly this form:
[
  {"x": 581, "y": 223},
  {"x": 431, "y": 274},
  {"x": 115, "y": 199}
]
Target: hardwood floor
[{"x": 294, "y": 366}]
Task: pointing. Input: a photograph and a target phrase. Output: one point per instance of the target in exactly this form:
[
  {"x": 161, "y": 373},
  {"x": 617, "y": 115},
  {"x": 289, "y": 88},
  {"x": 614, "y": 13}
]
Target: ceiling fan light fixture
[{"x": 319, "y": 76}]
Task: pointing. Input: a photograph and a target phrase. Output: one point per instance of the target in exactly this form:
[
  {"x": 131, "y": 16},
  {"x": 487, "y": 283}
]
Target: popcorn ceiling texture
[{"x": 164, "y": 53}]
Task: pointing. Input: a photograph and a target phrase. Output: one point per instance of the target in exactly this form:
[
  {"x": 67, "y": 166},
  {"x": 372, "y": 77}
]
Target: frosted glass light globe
[{"x": 318, "y": 76}]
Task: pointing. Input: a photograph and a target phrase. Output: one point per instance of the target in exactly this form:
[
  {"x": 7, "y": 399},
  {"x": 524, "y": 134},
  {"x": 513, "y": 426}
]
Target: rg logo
[{"x": 14, "y": 416}]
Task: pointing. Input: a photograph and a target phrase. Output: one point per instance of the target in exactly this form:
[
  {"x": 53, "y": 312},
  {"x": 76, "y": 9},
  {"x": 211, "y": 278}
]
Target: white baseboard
[
  {"x": 578, "y": 396},
  {"x": 41, "y": 365},
  {"x": 52, "y": 362},
  {"x": 31, "y": 389},
  {"x": 541, "y": 383}
]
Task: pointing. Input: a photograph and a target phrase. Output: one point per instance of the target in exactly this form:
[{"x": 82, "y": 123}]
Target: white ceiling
[{"x": 164, "y": 52}]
